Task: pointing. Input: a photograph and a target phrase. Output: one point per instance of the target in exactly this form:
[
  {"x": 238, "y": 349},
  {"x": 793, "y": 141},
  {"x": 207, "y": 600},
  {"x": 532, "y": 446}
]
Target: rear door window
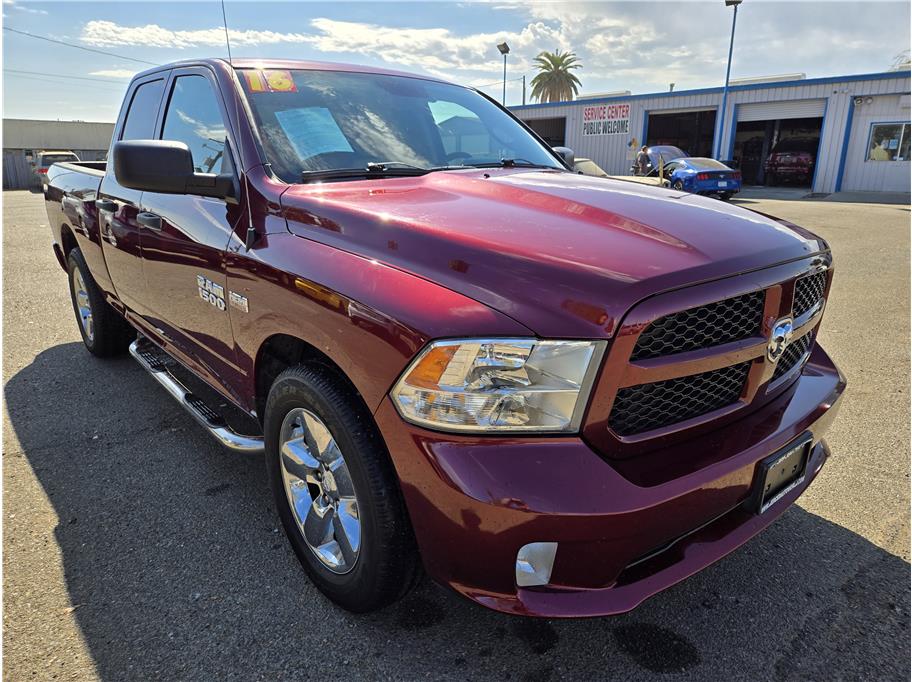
[
  {"x": 194, "y": 118},
  {"x": 140, "y": 121}
]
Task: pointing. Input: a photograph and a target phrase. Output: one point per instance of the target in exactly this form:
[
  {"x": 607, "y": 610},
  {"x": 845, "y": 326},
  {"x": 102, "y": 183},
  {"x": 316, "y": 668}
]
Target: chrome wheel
[
  {"x": 320, "y": 490},
  {"x": 83, "y": 304}
]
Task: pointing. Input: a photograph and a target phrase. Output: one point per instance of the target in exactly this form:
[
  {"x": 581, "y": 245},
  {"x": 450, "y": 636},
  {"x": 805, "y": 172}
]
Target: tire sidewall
[
  {"x": 292, "y": 392},
  {"x": 75, "y": 262}
]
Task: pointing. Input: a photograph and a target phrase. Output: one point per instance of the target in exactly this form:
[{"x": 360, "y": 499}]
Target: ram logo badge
[{"x": 211, "y": 292}]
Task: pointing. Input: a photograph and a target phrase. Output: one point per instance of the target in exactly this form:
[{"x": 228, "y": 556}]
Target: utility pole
[
  {"x": 524, "y": 89},
  {"x": 717, "y": 143}
]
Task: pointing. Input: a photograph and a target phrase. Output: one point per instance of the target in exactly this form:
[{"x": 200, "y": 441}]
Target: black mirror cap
[
  {"x": 166, "y": 166},
  {"x": 567, "y": 155},
  {"x": 153, "y": 165}
]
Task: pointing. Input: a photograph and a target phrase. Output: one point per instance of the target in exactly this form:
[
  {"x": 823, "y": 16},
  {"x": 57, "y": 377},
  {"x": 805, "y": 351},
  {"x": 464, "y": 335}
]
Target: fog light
[{"x": 534, "y": 563}]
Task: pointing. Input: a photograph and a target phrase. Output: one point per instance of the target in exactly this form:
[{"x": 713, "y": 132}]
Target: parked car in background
[
  {"x": 44, "y": 159},
  {"x": 589, "y": 167},
  {"x": 792, "y": 160},
  {"x": 703, "y": 176}
]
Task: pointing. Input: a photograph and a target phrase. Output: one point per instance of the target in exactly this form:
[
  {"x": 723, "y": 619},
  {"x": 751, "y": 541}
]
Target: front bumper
[{"x": 475, "y": 501}]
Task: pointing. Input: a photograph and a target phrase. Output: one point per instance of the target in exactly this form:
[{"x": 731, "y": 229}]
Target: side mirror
[
  {"x": 566, "y": 154},
  {"x": 166, "y": 166}
]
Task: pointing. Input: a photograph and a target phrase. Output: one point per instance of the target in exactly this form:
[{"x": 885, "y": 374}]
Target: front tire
[
  {"x": 104, "y": 331},
  {"x": 336, "y": 492}
]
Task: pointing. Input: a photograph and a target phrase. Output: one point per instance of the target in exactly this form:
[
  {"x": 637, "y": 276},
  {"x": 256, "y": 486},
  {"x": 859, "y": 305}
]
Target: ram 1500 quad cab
[{"x": 559, "y": 394}]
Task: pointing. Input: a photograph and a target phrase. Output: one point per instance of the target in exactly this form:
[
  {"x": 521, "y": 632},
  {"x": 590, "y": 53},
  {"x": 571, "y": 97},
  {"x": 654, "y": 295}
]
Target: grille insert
[
  {"x": 792, "y": 355},
  {"x": 703, "y": 327},
  {"x": 652, "y": 406},
  {"x": 808, "y": 292}
]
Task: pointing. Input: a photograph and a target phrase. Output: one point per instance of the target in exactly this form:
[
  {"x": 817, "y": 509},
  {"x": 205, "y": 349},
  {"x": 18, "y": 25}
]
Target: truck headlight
[{"x": 502, "y": 385}]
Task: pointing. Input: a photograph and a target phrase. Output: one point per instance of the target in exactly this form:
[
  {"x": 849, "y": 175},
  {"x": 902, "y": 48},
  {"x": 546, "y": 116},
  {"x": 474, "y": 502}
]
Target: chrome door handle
[
  {"x": 150, "y": 221},
  {"x": 105, "y": 205}
]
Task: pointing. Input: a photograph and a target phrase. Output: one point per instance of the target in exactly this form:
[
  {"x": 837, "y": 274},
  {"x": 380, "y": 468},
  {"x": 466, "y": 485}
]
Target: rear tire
[
  {"x": 104, "y": 331},
  {"x": 363, "y": 560}
]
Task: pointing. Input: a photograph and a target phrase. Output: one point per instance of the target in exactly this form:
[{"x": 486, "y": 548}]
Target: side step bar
[{"x": 149, "y": 357}]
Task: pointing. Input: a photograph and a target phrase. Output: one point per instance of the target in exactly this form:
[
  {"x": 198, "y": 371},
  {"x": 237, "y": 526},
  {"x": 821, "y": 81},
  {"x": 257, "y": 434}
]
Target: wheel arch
[
  {"x": 280, "y": 351},
  {"x": 67, "y": 240}
]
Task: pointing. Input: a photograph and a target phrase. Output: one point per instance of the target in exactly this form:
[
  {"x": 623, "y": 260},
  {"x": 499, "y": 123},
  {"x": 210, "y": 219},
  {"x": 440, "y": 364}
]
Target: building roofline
[{"x": 883, "y": 75}]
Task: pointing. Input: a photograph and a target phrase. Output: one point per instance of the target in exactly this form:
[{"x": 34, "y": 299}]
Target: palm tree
[{"x": 555, "y": 82}]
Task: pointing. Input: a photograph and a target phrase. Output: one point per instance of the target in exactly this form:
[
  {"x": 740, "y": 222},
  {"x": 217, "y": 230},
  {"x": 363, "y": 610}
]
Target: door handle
[
  {"x": 150, "y": 220},
  {"x": 105, "y": 205}
]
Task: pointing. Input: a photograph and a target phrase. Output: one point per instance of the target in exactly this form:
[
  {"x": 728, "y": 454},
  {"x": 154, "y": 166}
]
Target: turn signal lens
[{"x": 487, "y": 385}]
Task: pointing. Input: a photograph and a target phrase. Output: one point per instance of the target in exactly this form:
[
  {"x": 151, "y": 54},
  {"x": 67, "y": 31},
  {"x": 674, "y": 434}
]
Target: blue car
[{"x": 703, "y": 176}]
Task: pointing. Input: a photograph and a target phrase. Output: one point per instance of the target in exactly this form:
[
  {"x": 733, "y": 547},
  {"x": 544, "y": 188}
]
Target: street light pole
[
  {"x": 504, "y": 50},
  {"x": 717, "y": 146}
]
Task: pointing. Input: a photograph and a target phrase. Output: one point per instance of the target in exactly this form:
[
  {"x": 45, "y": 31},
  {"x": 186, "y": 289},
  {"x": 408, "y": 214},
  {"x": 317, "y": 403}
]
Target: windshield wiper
[
  {"x": 513, "y": 163},
  {"x": 372, "y": 170}
]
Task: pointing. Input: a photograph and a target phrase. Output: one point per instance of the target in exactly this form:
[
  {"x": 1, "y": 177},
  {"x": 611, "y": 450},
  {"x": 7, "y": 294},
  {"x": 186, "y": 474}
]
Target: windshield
[
  {"x": 796, "y": 145},
  {"x": 701, "y": 163},
  {"x": 48, "y": 159},
  {"x": 330, "y": 120}
]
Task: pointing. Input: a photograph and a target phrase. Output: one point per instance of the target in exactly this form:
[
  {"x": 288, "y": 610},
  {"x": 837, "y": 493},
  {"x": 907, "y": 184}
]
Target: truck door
[
  {"x": 184, "y": 237},
  {"x": 118, "y": 207}
]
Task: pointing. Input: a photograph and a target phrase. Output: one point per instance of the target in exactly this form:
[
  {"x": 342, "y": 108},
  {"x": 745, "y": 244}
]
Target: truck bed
[{"x": 88, "y": 167}]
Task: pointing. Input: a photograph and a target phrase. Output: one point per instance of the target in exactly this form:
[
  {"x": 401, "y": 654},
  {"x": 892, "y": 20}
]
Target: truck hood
[{"x": 564, "y": 254}]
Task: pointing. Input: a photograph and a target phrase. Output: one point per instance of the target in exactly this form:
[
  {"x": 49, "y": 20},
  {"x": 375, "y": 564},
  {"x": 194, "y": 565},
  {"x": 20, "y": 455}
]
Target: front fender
[{"x": 369, "y": 318}]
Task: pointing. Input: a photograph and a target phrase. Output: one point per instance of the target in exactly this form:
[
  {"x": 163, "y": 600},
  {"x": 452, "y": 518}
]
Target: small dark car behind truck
[{"x": 557, "y": 394}]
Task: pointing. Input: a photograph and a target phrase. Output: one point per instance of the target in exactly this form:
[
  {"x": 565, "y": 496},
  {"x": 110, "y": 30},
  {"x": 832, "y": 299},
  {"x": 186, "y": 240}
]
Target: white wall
[{"x": 861, "y": 174}]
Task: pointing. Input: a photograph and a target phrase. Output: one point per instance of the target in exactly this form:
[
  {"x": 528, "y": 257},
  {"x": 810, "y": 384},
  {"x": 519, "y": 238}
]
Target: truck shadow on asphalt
[{"x": 174, "y": 558}]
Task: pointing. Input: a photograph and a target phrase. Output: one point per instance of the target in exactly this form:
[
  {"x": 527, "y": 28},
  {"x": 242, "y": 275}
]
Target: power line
[
  {"x": 58, "y": 75},
  {"x": 500, "y": 82},
  {"x": 78, "y": 47},
  {"x": 61, "y": 80}
]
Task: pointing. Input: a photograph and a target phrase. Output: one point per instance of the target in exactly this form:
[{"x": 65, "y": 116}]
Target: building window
[{"x": 889, "y": 142}]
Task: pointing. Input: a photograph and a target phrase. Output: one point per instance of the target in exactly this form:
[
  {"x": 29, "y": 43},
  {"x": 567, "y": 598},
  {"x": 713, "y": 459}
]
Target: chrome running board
[{"x": 148, "y": 355}]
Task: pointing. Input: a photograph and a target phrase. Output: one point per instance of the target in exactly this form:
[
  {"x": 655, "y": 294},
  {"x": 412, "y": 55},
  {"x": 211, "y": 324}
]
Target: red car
[
  {"x": 792, "y": 160},
  {"x": 558, "y": 394}
]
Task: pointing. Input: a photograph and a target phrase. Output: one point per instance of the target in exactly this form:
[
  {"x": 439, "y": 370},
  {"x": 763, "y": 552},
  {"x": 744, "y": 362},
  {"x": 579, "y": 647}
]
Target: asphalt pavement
[{"x": 135, "y": 548}]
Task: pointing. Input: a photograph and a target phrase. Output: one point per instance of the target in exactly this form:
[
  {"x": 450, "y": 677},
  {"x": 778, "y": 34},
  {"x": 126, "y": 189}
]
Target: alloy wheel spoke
[
  {"x": 347, "y": 530},
  {"x": 297, "y": 459},
  {"x": 318, "y": 524}
]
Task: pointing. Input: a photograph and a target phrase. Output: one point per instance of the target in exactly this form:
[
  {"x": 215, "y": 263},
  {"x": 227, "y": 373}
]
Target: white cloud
[
  {"x": 22, "y": 8},
  {"x": 102, "y": 33},
  {"x": 114, "y": 73}
]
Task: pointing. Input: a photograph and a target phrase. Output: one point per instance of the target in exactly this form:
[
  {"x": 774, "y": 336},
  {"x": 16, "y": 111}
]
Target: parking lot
[{"x": 135, "y": 548}]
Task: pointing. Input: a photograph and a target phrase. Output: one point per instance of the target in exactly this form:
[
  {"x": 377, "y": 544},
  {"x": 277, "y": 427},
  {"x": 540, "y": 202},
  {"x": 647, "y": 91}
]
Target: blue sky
[{"x": 638, "y": 46}]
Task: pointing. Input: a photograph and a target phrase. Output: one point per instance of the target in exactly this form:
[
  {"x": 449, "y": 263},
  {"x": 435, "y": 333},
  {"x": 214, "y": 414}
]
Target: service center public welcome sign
[{"x": 606, "y": 119}]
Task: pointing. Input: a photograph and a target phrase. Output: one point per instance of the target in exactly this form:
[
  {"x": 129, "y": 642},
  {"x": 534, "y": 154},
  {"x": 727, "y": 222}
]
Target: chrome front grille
[{"x": 709, "y": 325}]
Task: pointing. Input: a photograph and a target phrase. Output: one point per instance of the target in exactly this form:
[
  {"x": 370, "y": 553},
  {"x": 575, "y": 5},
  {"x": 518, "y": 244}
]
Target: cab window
[
  {"x": 194, "y": 118},
  {"x": 140, "y": 121}
]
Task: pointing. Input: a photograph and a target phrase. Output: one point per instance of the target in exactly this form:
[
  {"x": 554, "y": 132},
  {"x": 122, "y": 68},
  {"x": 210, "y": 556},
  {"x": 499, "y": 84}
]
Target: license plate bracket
[{"x": 780, "y": 473}]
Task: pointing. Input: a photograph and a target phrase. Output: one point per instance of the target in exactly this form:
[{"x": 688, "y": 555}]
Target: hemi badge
[{"x": 238, "y": 301}]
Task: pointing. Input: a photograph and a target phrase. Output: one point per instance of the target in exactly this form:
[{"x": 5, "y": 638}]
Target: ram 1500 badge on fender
[{"x": 558, "y": 394}]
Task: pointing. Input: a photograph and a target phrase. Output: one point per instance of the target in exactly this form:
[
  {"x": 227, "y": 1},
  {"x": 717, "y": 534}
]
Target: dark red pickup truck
[{"x": 560, "y": 394}]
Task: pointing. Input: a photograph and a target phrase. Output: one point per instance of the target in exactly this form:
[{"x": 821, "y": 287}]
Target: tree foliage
[{"x": 555, "y": 81}]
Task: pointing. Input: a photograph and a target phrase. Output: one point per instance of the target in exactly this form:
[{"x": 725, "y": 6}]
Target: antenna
[
  {"x": 227, "y": 41},
  {"x": 251, "y": 234}
]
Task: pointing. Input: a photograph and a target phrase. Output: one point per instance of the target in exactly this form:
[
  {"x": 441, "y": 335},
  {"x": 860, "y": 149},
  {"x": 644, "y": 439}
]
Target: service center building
[{"x": 851, "y": 133}]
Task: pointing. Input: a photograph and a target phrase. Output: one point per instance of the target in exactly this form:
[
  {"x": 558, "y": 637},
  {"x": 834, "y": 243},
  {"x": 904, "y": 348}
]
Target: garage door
[{"x": 771, "y": 111}]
